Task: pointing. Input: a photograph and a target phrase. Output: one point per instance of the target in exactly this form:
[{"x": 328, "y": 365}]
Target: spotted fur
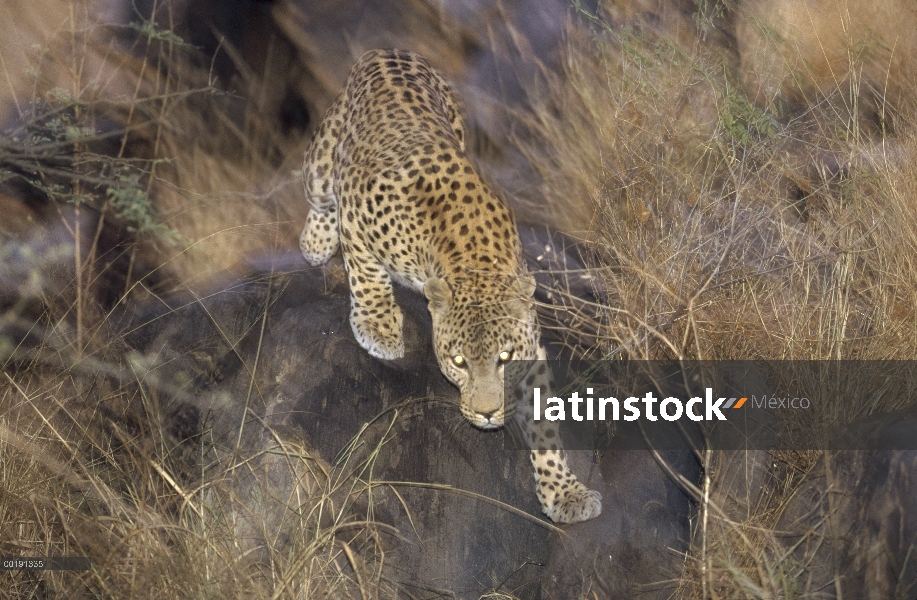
[{"x": 388, "y": 181}]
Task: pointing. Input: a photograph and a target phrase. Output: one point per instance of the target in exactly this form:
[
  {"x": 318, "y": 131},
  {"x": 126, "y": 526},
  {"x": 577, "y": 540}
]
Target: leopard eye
[
  {"x": 459, "y": 360},
  {"x": 505, "y": 355}
]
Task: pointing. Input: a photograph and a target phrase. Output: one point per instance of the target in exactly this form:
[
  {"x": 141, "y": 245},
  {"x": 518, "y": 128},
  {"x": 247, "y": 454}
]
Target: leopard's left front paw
[{"x": 575, "y": 504}]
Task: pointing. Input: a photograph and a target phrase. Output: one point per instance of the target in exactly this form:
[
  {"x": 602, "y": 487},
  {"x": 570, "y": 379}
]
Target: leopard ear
[
  {"x": 439, "y": 295},
  {"x": 520, "y": 292}
]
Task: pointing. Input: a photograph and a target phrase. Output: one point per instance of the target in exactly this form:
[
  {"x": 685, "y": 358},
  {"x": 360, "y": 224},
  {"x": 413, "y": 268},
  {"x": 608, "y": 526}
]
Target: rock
[
  {"x": 452, "y": 509},
  {"x": 852, "y": 525},
  {"x": 636, "y": 547}
]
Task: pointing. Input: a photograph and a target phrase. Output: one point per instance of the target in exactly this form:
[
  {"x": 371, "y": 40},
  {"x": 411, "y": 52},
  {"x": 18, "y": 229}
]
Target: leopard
[{"x": 389, "y": 182}]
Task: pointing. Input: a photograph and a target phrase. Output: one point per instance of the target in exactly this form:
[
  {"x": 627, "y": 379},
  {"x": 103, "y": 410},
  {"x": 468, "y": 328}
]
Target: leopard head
[{"x": 478, "y": 328}]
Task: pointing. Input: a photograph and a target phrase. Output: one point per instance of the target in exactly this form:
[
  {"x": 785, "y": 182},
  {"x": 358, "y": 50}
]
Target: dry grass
[
  {"x": 855, "y": 56},
  {"x": 726, "y": 233},
  {"x": 118, "y": 191},
  {"x": 730, "y": 230},
  {"x": 163, "y": 517},
  {"x": 723, "y": 225}
]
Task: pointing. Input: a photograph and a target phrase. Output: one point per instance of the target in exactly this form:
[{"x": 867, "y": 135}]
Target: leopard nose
[{"x": 491, "y": 418}]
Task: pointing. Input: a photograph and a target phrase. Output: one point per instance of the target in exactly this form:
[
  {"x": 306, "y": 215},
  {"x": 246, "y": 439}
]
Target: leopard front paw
[
  {"x": 319, "y": 239},
  {"x": 575, "y": 504},
  {"x": 382, "y": 339}
]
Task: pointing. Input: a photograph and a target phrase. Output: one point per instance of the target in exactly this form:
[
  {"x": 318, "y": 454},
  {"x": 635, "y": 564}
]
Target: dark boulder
[
  {"x": 852, "y": 525},
  {"x": 632, "y": 550},
  {"x": 456, "y": 513}
]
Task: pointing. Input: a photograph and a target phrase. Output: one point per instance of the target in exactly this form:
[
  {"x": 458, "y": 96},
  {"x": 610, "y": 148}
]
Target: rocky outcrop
[
  {"x": 852, "y": 525},
  {"x": 272, "y": 361}
]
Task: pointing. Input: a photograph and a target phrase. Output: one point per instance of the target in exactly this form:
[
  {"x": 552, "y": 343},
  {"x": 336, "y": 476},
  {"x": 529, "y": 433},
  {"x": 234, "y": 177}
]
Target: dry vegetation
[
  {"x": 736, "y": 210},
  {"x": 739, "y": 221},
  {"x": 125, "y": 177},
  {"x": 728, "y": 232}
]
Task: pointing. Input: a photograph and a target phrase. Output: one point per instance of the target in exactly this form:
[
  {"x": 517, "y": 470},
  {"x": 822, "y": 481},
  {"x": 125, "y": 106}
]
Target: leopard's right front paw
[{"x": 382, "y": 338}]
